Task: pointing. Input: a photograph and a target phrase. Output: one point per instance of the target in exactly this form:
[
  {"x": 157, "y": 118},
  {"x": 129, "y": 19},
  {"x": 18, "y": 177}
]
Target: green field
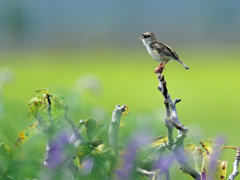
[{"x": 209, "y": 93}]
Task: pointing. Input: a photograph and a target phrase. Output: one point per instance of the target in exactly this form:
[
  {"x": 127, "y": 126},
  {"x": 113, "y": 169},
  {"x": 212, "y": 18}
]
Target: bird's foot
[{"x": 159, "y": 69}]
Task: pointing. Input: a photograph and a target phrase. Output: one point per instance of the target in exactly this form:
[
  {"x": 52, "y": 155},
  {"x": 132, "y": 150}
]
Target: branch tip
[
  {"x": 123, "y": 108},
  {"x": 176, "y": 101}
]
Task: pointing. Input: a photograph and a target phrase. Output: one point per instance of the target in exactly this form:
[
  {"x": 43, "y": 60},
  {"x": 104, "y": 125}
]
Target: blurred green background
[{"x": 69, "y": 47}]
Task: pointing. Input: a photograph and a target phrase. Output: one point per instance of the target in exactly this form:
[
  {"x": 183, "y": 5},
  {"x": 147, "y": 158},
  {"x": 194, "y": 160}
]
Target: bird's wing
[{"x": 163, "y": 48}]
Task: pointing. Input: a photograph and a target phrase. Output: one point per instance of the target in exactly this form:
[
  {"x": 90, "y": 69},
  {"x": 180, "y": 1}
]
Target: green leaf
[
  {"x": 83, "y": 151},
  {"x": 94, "y": 129},
  {"x": 98, "y": 161},
  {"x": 26, "y": 134},
  {"x": 81, "y": 126},
  {"x": 44, "y": 90},
  {"x": 198, "y": 158},
  {"x": 44, "y": 105},
  {"x": 108, "y": 151},
  {"x": 34, "y": 105},
  {"x": 5, "y": 157},
  {"x": 58, "y": 105}
]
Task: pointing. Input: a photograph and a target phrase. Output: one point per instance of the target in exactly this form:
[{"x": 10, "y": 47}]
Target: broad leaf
[
  {"x": 81, "y": 126},
  {"x": 95, "y": 161},
  {"x": 94, "y": 129},
  {"x": 34, "y": 105},
  {"x": 26, "y": 134},
  {"x": 211, "y": 145},
  {"x": 189, "y": 147},
  {"x": 5, "y": 157},
  {"x": 198, "y": 158},
  {"x": 219, "y": 171},
  {"x": 58, "y": 105}
]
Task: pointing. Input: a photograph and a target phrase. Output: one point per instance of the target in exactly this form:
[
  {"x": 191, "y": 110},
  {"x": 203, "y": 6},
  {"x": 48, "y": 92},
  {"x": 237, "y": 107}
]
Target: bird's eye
[{"x": 146, "y": 36}]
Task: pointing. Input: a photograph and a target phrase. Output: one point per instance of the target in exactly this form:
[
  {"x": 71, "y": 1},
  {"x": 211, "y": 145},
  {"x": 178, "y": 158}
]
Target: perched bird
[{"x": 160, "y": 52}]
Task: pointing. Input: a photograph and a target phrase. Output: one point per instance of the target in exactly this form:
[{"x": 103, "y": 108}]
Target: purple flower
[
  {"x": 57, "y": 151},
  {"x": 137, "y": 141}
]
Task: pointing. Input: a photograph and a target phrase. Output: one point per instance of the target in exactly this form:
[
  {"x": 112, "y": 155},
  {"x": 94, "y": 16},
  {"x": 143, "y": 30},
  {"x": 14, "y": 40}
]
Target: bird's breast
[{"x": 155, "y": 55}]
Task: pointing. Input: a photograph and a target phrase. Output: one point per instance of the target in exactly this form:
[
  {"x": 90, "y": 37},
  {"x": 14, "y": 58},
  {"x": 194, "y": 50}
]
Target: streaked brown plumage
[{"x": 159, "y": 51}]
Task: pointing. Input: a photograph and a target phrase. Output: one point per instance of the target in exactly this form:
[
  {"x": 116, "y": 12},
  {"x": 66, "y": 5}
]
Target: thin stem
[
  {"x": 229, "y": 147},
  {"x": 75, "y": 132}
]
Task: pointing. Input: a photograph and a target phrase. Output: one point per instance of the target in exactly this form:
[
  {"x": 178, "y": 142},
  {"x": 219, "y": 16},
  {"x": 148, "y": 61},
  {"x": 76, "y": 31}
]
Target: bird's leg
[
  {"x": 164, "y": 64},
  {"x": 161, "y": 65}
]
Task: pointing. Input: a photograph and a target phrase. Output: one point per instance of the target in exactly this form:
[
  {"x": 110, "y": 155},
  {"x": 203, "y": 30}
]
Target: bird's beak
[{"x": 142, "y": 36}]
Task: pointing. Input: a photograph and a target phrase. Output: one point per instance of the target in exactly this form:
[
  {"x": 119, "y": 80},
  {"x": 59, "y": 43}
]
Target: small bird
[{"x": 159, "y": 51}]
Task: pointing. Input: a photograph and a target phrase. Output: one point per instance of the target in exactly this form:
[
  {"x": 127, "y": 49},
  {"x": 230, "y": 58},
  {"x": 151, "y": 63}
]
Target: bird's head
[{"x": 148, "y": 37}]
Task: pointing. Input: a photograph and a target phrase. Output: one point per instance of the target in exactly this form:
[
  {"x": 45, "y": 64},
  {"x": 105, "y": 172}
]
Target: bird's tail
[{"x": 184, "y": 65}]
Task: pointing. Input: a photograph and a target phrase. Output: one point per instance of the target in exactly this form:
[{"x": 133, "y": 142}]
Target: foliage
[
  {"x": 5, "y": 158},
  {"x": 97, "y": 151}
]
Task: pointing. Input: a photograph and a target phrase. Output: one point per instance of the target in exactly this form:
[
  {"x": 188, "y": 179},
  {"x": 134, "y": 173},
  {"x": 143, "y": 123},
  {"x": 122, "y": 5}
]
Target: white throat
[{"x": 146, "y": 42}]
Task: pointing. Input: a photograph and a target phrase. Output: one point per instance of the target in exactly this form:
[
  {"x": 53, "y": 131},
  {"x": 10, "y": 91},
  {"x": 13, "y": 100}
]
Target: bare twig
[
  {"x": 175, "y": 146},
  {"x": 235, "y": 165}
]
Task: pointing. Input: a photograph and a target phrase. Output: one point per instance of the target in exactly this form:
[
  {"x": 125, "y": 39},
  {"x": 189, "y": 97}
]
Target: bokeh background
[{"x": 89, "y": 52}]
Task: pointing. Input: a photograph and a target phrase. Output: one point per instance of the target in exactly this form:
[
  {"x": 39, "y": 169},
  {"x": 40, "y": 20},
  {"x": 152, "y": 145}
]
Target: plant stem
[{"x": 114, "y": 127}]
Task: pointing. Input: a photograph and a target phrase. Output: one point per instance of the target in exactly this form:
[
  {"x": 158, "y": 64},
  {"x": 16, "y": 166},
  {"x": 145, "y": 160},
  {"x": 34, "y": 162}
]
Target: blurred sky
[{"x": 28, "y": 24}]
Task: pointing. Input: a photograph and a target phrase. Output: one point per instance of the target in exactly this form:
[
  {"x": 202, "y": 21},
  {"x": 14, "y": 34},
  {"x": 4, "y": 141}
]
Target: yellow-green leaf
[
  {"x": 211, "y": 145},
  {"x": 26, "y": 134},
  {"x": 34, "y": 105},
  {"x": 189, "y": 147},
  {"x": 219, "y": 170},
  {"x": 124, "y": 114},
  {"x": 44, "y": 90},
  {"x": 205, "y": 164},
  {"x": 158, "y": 141}
]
